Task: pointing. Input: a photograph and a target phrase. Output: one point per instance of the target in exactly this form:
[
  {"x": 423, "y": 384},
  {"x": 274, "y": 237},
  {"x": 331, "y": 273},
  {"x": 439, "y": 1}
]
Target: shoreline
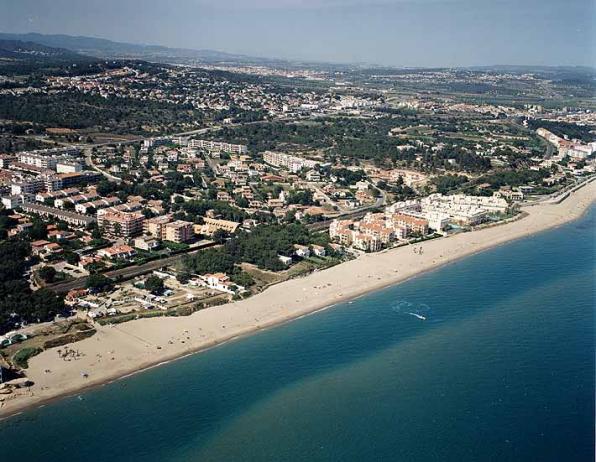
[{"x": 139, "y": 345}]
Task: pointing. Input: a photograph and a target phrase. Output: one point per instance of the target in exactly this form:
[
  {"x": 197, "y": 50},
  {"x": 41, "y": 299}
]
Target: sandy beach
[{"x": 120, "y": 350}]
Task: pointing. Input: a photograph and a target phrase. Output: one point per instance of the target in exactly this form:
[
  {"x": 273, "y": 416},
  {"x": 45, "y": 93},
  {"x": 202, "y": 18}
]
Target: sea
[{"x": 490, "y": 358}]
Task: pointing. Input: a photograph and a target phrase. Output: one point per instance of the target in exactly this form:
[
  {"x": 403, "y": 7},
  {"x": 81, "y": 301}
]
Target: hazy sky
[{"x": 395, "y": 32}]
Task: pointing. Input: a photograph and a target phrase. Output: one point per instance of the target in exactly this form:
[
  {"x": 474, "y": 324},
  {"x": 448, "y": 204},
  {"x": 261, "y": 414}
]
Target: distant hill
[
  {"x": 31, "y": 51},
  {"x": 103, "y": 48}
]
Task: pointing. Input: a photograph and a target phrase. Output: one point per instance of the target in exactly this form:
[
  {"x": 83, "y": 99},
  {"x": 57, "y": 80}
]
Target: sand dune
[{"x": 123, "y": 349}]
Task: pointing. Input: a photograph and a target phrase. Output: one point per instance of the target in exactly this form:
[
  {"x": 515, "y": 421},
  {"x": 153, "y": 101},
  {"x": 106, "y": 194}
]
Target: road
[
  {"x": 198, "y": 131},
  {"x": 381, "y": 201},
  {"x": 321, "y": 225},
  {"x": 88, "y": 147},
  {"x": 130, "y": 271},
  {"x": 89, "y": 162}
]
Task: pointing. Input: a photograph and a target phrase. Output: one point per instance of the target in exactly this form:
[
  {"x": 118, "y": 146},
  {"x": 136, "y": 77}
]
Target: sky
[{"x": 424, "y": 33}]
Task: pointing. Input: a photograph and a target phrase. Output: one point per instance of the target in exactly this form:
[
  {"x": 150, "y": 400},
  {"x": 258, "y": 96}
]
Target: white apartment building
[
  {"x": 68, "y": 166},
  {"x": 30, "y": 186},
  {"x": 12, "y": 202},
  {"x": 292, "y": 163},
  {"x": 218, "y": 146},
  {"x": 439, "y": 209},
  {"x": 38, "y": 160},
  {"x": 490, "y": 203},
  {"x": 6, "y": 160},
  {"x": 150, "y": 142}
]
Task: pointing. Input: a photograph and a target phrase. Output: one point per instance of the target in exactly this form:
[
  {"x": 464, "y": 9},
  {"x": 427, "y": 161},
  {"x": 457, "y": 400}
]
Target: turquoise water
[{"x": 502, "y": 369}]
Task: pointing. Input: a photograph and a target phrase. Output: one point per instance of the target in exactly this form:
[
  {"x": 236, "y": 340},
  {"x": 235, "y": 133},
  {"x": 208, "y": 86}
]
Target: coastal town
[
  {"x": 297, "y": 230},
  {"x": 244, "y": 179}
]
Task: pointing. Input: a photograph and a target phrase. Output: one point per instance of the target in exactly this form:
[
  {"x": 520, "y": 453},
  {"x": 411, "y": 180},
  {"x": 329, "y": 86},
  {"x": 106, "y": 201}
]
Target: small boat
[{"x": 419, "y": 316}]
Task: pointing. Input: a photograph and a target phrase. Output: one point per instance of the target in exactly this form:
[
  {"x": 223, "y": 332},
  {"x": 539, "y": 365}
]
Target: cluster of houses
[
  {"x": 376, "y": 230},
  {"x": 24, "y": 175},
  {"x": 565, "y": 147},
  {"x": 415, "y": 218},
  {"x": 190, "y": 87}
]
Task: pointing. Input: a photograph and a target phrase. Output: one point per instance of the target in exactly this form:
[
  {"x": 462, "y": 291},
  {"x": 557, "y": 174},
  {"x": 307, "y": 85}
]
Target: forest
[
  {"x": 18, "y": 303},
  {"x": 260, "y": 247},
  {"x": 80, "y": 111}
]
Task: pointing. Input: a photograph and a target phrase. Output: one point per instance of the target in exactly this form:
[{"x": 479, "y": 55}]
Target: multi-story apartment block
[
  {"x": 410, "y": 223},
  {"x": 121, "y": 224},
  {"x": 218, "y": 146},
  {"x": 151, "y": 142},
  {"x": 366, "y": 242},
  {"x": 6, "y": 160},
  {"x": 178, "y": 231},
  {"x": 342, "y": 231},
  {"x": 68, "y": 166},
  {"x": 155, "y": 226},
  {"x": 292, "y": 163},
  {"x": 39, "y": 160},
  {"x": 53, "y": 183},
  {"x": 12, "y": 202},
  {"x": 383, "y": 234},
  {"x": 162, "y": 227},
  {"x": 65, "y": 180},
  {"x": 29, "y": 186}
]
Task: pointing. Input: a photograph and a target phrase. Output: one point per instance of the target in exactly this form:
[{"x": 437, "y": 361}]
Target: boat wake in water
[
  {"x": 419, "y": 316},
  {"x": 418, "y": 310}
]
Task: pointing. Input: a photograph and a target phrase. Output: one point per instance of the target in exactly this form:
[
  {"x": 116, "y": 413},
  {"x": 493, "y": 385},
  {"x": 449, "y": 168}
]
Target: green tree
[
  {"x": 47, "y": 273},
  {"x": 38, "y": 230},
  {"x": 95, "y": 232},
  {"x": 242, "y": 279},
  {"x": 220, "y": 236},
  {"x": 154, "y": 284},
  {"x": 72, "y": 258},
  {"x": 99, "y": 283},
  {"x": 183, "y": 277}
]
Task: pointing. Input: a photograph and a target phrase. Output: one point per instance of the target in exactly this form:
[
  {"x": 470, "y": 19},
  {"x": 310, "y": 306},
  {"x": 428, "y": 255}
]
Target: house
[
  {"x": 117, "y": 252},
  {"x": 43, "y": 248},
  {"x": 20, "y": 228},
  {"x": 146, "y": 243},
  {"x": 318, "y": 250},
  {"x": 314, "y": 176},
  {"x": 88, "y": 260},
  {"x": 60, "y": 235},
  {"x": 72, "y": 297},
  {"x": 274, "y": 203},
  {"x": 301, "y": 251},
  {"x": 285, "y": 260},
  {"x": 221, "y": 282},
  {"x": 337, "y": 247}
]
